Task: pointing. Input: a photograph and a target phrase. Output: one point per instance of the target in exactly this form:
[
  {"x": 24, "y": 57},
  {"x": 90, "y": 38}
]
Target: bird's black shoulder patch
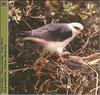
[{"x": 55, "y": 32}]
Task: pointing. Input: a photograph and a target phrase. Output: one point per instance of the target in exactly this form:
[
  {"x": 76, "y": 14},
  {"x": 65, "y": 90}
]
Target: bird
[{"x": 54, "y": 37}]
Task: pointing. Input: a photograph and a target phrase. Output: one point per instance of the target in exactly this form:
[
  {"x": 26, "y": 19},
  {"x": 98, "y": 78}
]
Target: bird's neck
[{"x": 67, "y": 41}]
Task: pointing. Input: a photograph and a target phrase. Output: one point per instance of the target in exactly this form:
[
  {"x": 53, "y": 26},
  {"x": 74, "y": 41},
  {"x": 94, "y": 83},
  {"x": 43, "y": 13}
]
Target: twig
[
  {"x": 80, "y": 83},
  {"x": 94, "y": 88},
  {"x": 39, "y": 17},
  {"x": 71, "y": 48},
  {"x": 94, "y": 62},
  {"x": 96, "y": 55},
  {"x": 85, "y": 45},
  {"x": 31, "y": 7},
  {"x": 27, "y": 24},
  {"x": 36, "y": 17},
  {"x": 35, "y": 86},
  {"x": 97, "y": 83},
  {"x": 82, "y": 62},
  {"x": 41, "y": 87},
  {"x": 11, "y": 2},
  {"x": 87, "y": 41},
  {"x": 22, "y": 69}
]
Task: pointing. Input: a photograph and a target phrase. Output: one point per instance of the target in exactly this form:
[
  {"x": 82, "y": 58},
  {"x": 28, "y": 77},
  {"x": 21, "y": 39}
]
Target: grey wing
[{"x": 53, "y": 32}]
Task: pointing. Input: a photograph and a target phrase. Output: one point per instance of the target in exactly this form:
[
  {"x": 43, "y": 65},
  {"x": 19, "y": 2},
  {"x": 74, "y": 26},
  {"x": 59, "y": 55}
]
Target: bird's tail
[
  {"x": 38, "y": 40},
  {"x": 25, "y": 34},
  {"x": 32, "y": 36}
]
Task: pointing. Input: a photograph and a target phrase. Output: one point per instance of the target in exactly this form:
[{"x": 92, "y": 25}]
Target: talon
[
  {"x": 61, "y": 59},
  {"x": 66, "y": 53}
]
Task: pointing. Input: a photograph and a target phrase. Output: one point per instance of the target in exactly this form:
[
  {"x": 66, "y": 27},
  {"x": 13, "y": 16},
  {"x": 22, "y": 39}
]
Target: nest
[{"x": 47, "y": 75}]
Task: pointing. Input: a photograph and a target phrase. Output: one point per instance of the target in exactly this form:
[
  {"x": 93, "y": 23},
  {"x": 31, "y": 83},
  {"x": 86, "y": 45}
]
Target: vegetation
[{"x": 32, "y": 70}]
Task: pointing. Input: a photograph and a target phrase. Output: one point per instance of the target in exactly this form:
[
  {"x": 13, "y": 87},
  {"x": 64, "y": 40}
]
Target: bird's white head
[{"x": 76, "y": 27}]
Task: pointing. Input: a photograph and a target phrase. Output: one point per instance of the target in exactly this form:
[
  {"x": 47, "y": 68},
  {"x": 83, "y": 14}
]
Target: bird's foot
[
  {"x": 61, "y": 59},
  {"x": 66, "y": 53},
  {"x": 63, "y": 56}
]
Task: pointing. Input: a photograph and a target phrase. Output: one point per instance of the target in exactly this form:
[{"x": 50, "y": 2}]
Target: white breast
[{"x": 58, "y": 46}]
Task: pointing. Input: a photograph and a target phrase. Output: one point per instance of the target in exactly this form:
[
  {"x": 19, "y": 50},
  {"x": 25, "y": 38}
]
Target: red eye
[{"x": 76, "y": 27}]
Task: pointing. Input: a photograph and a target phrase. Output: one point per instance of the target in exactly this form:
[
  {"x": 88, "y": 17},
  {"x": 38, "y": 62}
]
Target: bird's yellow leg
[
  {"x": 43, "y": 57},
  {"x": 62, "y": 57}
]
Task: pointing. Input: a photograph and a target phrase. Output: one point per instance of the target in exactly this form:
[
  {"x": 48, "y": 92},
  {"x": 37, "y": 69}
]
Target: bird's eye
[{"x": 76, "y": 27}]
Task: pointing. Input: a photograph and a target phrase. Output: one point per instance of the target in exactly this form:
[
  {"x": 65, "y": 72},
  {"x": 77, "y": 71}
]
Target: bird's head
[{"x": 76, "y": 27}]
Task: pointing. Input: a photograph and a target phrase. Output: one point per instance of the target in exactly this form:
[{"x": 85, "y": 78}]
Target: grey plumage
[
  {"x": 51, "y": 32},
  {"x": 54, "y": 37}
]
